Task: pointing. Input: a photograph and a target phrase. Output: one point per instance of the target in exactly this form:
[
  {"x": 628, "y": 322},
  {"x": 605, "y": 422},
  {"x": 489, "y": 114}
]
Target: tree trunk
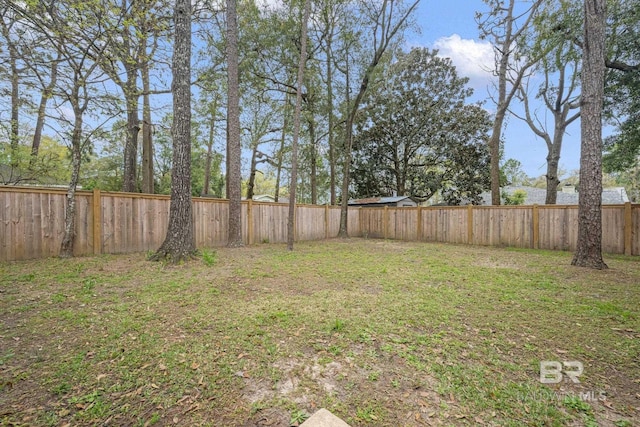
[
  {"x": 252, "y": 173},
  {"x": 589, "y": 246},
  {"x": 14, "y": 137},
  {"x": 207, "y": 170},
  {"x": 234, "y": 151},
  {"x": 147, "y": 135},
  {"x": 47, "y": 92},
  {"x": 133, "y": 128},
  {"x": 330, "y": 123},
  {"x": 179, "y": 243},
  {"x": 281, "y": 153},
  {"x": 66, "y": 249},
  {"x": 553, "y": 161},
  {"x": 313, "y": 158},
  {"x": 296, "y": 126}
]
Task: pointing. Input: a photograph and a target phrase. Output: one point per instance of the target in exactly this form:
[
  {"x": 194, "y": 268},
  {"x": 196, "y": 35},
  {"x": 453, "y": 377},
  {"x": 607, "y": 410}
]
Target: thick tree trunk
[
  {"x": 553, "y": 161},
  {"x": 179, "y": 243},
  {"x": 234, "y": 152},
  {"x": 589, "y": 246}
]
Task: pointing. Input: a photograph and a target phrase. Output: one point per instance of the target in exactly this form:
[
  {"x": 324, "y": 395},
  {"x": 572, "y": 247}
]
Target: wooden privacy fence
[
  {"x": 32, "y": 223},
  {"x": 536, "y": 226}
]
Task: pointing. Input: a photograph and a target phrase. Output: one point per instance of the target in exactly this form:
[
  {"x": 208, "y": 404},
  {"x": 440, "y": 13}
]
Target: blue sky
[{"x": 450, "y": 27}]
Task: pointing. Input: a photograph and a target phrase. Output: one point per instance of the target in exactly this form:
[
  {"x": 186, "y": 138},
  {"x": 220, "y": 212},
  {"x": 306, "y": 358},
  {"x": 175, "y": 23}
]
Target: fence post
[
  {"x": 326, "y": 221},
  {"x": 250, "y": 222},
  {"x": 385, "y": 226},
  {"x": 628, "y": 229},
  {"x": 97, "y": 222},
  {"x": 536, "y": 227},
  {"x": 469, "y": 224},
  {"x": 419, "y": 231}
]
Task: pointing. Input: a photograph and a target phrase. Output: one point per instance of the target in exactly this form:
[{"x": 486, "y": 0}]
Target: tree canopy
[{"x": 418, "y": 135}]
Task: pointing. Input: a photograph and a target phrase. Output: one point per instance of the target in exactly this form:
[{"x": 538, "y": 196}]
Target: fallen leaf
[
  {"x": 162, "y": 367},
  {"x": 154, "y": 386},
  {"x": 561, "y": 351},
  {"x": 195, "y": 366},
  {"x": 101, "y": 376},
  {"x": 176, "y": 420}
]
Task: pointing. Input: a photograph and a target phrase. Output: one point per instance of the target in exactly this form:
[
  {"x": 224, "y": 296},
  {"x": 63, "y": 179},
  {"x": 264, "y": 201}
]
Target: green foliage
[
  {"x": 51, "y": 166},
  {"x": 511, "y": 173},
  {"x": 298, "y": 416},
  {"x": 417, "y": 135},
  {"x": 516, "y": 198},
  {"x": 209, "y": 257}
]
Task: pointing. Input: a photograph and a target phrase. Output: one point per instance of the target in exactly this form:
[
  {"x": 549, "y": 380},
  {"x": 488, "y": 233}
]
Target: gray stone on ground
[{"x": 324, "y": 418}]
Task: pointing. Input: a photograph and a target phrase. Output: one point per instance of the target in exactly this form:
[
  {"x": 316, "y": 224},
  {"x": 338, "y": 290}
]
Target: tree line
[{"x": 321, "y": 95}]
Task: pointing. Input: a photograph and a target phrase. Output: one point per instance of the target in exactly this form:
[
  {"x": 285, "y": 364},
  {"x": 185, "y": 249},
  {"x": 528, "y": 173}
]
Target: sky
[{"x": 450, "y": 27}]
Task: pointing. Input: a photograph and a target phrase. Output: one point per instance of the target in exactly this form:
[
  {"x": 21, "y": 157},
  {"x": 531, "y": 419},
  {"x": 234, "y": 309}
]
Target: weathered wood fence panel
[
  {"x": 32, "y": 223},
  {"x": 612, "y": 230},
  {"x": 444, "y": 224},
  {"x": 503, "y": 226},
  {"x": 558, "y": 227},
  {"x": 210, "y": 218}
]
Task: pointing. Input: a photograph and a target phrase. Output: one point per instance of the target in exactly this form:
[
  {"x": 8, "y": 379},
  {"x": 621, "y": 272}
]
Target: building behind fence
[{"x": 32, "y": 224}]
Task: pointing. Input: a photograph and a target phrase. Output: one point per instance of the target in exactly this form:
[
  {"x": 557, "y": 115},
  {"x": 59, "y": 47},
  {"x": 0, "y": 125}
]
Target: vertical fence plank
[
  {"x": 97, "y": 222},
  {"x": 536, "y": 227},
  {"x": 628, "y": 228},
  {"x": 250, "y": 237},
  {"x": 469, "y": 224}
]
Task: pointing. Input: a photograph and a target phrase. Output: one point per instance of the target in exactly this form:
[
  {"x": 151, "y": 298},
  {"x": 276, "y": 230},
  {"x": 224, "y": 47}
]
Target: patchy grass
[{"x": 381, "y": 333}]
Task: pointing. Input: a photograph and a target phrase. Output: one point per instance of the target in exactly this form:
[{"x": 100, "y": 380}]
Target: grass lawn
[{"x": 381, "y": 333}]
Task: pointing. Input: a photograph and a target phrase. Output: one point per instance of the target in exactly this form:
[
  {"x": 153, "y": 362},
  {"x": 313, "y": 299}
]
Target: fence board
[
  {"x": 635, "y": 230},
  {"x": 613, "y": 229}
]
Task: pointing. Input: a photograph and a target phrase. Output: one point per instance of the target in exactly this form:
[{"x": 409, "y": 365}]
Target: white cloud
[{"x": 473, "y": 59}]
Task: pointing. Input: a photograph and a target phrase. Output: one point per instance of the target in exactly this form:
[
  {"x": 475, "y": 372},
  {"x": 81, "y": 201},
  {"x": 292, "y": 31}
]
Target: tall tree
[
  {"x": 417, "y": 135},
  {"x": 385, "y": 20},
  {"x": 77, "y": 85},
  {"x": 234, "y": 149},
  {"x": 7, "y": 22},
  {"x": 589, "y": 246},
  {"x": 179, "y": 243},
  {"x": 560, "y": 88},
  {"x": 505, "y": 27},
  {"x": 296, "y": 126}
]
